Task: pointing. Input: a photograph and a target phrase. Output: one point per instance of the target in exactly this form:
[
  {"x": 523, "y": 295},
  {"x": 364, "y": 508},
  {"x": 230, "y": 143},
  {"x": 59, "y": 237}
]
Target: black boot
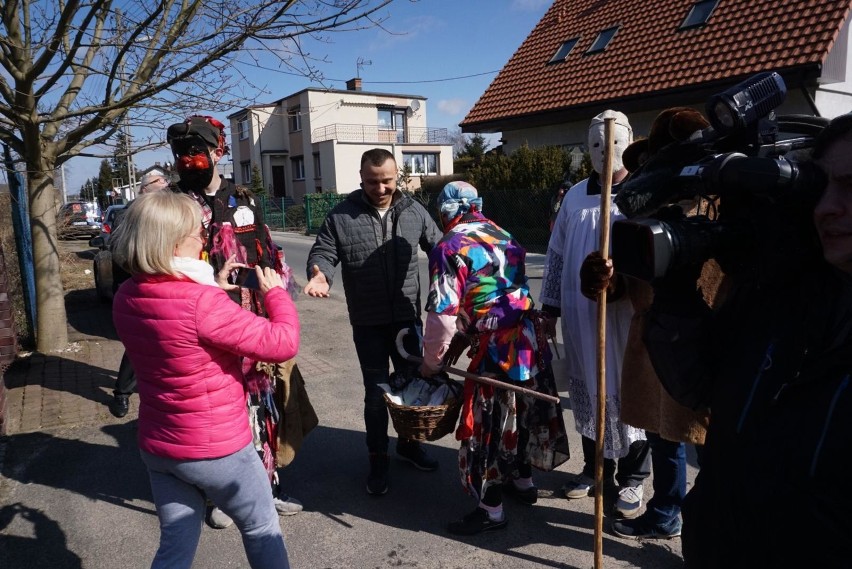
[
  {"x": 476, "y": 522},
  {"x": 414, "y": 453},
  {"x": 377, "y": 480},
  {"x": 120, "y": 405}
]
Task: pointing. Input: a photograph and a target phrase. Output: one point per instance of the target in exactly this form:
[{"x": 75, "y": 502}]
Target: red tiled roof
[{"x": 649, "y": 55}]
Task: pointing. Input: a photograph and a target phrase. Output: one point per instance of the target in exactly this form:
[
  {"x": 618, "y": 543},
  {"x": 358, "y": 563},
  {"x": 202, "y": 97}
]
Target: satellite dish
[{"x": 414, "y": 106}]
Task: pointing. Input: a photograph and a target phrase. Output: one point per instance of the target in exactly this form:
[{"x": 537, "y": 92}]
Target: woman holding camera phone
[{"x": 185, "y": 340}]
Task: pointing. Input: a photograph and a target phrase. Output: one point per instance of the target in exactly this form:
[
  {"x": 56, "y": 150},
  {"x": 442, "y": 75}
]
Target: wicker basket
[{"x": 426, "y": 422}]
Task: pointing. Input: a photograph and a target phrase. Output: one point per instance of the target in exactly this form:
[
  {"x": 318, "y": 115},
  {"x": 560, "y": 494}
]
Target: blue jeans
[
  {"x": 237, "y": 483},
  {"x": 668, "y": 460},
  {"x": 376, "y": 347}
]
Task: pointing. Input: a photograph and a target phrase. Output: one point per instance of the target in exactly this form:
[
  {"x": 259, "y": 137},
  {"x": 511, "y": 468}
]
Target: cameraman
[{"x": 773, "y": 366}]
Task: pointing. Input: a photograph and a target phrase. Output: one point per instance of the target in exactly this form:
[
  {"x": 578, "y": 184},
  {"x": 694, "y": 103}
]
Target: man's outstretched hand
[{"x": 318, "y": 285}]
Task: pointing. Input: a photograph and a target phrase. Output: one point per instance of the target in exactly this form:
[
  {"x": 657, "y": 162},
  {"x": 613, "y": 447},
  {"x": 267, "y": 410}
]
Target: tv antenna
[{"x": 359, "y": 64}]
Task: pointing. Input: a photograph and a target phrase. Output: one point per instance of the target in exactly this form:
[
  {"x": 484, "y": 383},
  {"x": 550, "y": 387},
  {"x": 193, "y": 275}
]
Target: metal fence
[
  {"x": 317, "y": 207},
  {"x": 523, "y": 213},
  {"x": 282, "y": 214},
  {"x": 373, "y": 134}
]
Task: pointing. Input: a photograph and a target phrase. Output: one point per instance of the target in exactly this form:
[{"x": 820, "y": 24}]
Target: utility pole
[
  {"x": 128, "y": 148},
  {"x": 131, "y": 171},
  {"x": 64, "y": 189}
]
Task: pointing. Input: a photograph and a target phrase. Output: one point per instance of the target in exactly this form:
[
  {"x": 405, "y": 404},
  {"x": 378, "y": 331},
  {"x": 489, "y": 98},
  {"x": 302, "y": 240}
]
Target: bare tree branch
[{"x": 72, "y": 70}]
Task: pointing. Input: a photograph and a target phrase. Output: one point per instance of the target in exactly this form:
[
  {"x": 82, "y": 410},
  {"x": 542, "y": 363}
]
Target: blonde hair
[{"x": 153, "y": 226}]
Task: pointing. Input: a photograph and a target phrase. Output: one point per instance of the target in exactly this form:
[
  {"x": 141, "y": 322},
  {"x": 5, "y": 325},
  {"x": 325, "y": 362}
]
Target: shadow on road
[
  {"x": 46, "y": 466},
  {"x": 329, "y": 477}
]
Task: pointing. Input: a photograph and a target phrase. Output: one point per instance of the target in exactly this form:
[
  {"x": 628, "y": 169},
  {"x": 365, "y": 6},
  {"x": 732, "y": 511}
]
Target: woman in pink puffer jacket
[{"x": 185, "y": 339}]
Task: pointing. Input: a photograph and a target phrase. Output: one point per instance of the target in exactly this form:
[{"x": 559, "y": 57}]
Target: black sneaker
[
  {"x": 476, "y": 522},
  {"x": 120, "y": 405},
  {"x": 527, "y": 496},
  {"x": 642, "y": 528},
  {"x": 377, "y": 480},
  {"x": 412, "y": 452}
]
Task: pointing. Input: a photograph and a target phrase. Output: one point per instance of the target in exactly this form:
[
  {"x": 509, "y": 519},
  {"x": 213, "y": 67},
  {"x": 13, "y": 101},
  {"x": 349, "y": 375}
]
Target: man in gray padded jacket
[{"x": 374, "y": 234}]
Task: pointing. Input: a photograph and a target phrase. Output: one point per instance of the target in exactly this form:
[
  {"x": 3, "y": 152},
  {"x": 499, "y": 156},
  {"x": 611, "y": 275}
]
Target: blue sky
[{"x": 446, "y": 50}]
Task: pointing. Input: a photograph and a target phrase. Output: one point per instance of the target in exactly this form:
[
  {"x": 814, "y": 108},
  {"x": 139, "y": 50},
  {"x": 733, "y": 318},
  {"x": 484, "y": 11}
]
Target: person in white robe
[{"x": 575, "y": 234}]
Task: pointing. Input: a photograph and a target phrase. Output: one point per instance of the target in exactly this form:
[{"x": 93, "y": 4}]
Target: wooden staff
[
  {"x": 478, "y": 378},
  {"x": 606, "y": 192}
]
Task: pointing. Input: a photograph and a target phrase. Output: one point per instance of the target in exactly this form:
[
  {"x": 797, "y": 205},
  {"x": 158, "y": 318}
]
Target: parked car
[
  {"x": 78, "y": 219},
  {"x": 102, "y": 267}
]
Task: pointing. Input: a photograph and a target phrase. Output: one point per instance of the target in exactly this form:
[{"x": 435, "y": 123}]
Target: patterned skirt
[{"x": 509, "y": 429}]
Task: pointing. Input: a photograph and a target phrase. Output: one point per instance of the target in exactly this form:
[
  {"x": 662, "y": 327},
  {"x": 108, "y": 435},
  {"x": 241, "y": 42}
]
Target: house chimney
[{"x": 354, "y": 84}]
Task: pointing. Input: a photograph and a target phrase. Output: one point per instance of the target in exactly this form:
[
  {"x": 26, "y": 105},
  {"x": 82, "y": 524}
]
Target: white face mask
[{"x": 597, "y": 146}]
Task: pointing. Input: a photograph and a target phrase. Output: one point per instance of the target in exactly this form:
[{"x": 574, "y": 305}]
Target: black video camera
[{"x": 744, "y": 175}]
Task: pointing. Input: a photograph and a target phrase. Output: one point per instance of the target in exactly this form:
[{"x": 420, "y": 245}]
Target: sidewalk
[{"x": 72, "y": 387}]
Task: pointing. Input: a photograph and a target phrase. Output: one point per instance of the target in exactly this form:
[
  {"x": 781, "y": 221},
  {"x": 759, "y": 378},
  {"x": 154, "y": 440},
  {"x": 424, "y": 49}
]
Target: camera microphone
[{"x": 743, "y": 104}]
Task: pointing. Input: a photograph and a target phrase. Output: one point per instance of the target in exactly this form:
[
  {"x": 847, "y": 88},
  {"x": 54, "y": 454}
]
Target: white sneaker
[
  {"x": 629, "y": 501},
  {"x": 219, "y": 519},
  {"x": 581, "y": 487},
  {"x": 287, "y": 506}
]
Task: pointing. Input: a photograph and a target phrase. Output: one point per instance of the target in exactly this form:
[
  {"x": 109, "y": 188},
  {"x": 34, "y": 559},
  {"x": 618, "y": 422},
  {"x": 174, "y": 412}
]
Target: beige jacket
[{"x": 644, "y": 402}]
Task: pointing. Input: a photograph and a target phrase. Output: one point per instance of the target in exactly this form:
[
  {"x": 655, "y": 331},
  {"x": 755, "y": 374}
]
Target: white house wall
[
  {"x": 250, "y": 148},
  {"x": 834, "y": 95},
  {"x": 339, "y": 161},
  {"x": 571, "y": 134}
]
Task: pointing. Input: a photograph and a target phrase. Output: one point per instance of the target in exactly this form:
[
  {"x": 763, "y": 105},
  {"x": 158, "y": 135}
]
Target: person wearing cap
[
  {"x": 627, "y": 461},
  {"x": 234, "y": 229},
  {"x": 478, "y": 288},
  {"x": 374, "y": 234},
  {"x": 125, "y": 381},
  {"x": 773, "y": 364}
]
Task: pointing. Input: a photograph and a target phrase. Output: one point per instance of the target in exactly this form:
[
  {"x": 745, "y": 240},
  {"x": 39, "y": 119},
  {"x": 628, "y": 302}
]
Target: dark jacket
[
  {"x": 773, "y": 366},
  {"x": 254, "y": 236},
  {"x": 381, "y": 278}
]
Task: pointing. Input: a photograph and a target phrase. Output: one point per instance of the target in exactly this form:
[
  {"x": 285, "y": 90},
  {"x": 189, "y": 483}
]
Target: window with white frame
[
  {"x": 298, "y": 165},
  {"x": 295, "y": 116},
  {"x": 245, "y": 171},
  {"x": 421, "y": 163},
  {"x": 243, "y": 128}
]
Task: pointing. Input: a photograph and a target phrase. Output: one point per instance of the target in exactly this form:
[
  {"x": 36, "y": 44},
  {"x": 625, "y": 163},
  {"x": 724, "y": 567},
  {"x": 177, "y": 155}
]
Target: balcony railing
[{"x": 372, "y": 134}]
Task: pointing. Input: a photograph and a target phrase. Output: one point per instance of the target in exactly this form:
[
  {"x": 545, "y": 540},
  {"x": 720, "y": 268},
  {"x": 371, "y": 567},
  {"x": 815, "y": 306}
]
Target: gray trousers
[{"x": 237, "y": 483}]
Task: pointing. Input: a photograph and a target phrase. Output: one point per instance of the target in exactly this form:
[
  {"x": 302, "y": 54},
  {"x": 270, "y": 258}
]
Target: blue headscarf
[{"x": 458, "y": 198}]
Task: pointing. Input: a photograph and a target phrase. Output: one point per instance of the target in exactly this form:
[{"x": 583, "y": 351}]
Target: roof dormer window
[
  {"x": 563, "y": 51},
  {"x": 699, "y": 14},
  {"x": 602, "y": 40}
]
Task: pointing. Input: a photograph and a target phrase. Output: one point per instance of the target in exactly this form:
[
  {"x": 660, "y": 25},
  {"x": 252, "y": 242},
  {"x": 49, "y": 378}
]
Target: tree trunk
[{"x": 52, "y": 324}]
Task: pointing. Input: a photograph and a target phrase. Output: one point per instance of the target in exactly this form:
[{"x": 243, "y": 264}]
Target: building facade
[{"x": 312, "y": 141}]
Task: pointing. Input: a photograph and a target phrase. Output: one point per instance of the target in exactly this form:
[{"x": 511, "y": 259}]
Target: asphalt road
[{"x": 78, "y": 496}]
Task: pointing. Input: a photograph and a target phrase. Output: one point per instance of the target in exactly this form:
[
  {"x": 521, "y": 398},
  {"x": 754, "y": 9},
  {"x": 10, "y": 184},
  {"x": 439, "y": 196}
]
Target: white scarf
[{"x": 195, "y": 269}]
